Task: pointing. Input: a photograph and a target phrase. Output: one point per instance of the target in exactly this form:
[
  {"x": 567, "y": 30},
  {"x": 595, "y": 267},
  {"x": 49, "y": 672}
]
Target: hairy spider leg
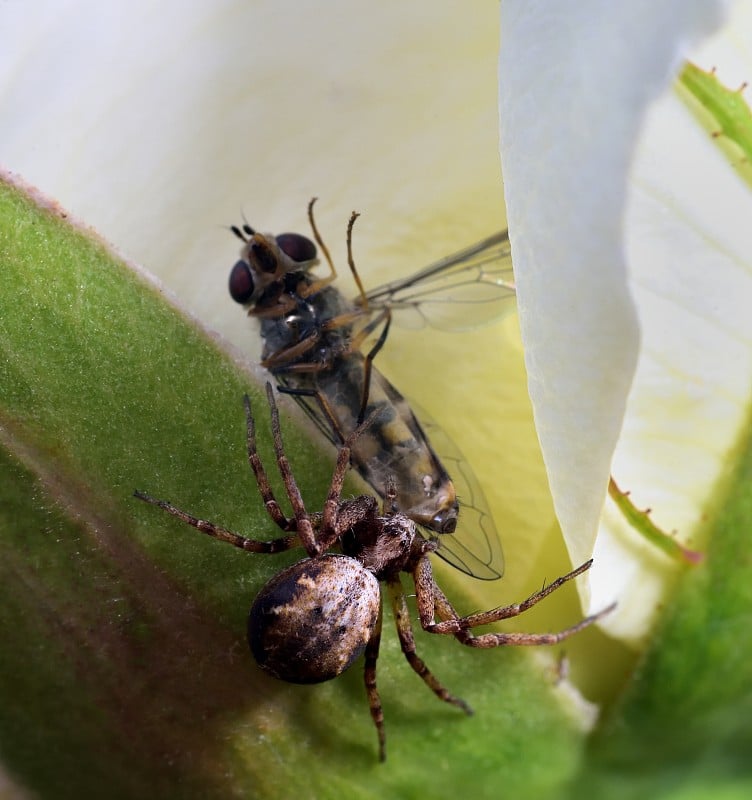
[
  {"x": 330, "y": 527},
  {"x": 432, "y": 600},
  {"x": 262, "y": 479},
  {"x": 272, "y": 506},
  {"x": 389, "y": 504},
  {"x": 328, "y": 522},
  {"x": 372, "y": 691},
  {"x": 338, "y": 517},
  {"x": 223, "y": 534},
  {"x": 407, "y": 642},
  {"x": 303, "y": 524}
]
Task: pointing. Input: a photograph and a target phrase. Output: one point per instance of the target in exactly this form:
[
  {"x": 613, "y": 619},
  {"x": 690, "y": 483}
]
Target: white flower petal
[
  {"x": 160, "y": 125},
  {"x": 575, "y": 83},
  {"x": 690, "y": 256}
]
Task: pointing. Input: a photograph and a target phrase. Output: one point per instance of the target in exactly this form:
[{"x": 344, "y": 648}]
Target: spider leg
[
  {"x": 329, "y": 529},
  {"x": 303, "y": 523},
  {"x": 267, "y": 495},
  {"x": 372, "y": 692},
  {"x": 407, "y": 641},
  {"x": 224, "y": 535},
  {"x": 432, "y": 600},
  {"x": 334, "y": 524},
  {"x": 505, "y": 612},
  {"x": 389, "y": 505},
  {"x": 529, "y": 639}
]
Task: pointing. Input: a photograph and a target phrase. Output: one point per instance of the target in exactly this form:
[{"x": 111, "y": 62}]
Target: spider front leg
[
  {"x": 303, "y": 524},
  {"x": 330, "y": 527},
  {"x": 223, "y": 534},
  {"x": 271, "y": 504},
  {"x": 407, "y": 641},
  {"x": 338, "y": 517},
  {"x": 262, "y": 480},
  {"x": 431, "y": 600}
]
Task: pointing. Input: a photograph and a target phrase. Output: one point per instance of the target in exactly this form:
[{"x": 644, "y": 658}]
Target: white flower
[{"x": 631, "y": 241}]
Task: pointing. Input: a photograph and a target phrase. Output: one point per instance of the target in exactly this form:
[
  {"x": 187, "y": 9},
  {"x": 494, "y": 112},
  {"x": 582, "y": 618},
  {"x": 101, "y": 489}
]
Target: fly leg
[
  {"x": 351, "y": 262},
  {"x": 283, "y": 360},
  {"x": 320, "y": 283},
  {"x": 384, "y": 317},
  {"x": 337, "y": 435},
  {"x": 270, "y": 503},
  {"x": 303, "y": 524}
]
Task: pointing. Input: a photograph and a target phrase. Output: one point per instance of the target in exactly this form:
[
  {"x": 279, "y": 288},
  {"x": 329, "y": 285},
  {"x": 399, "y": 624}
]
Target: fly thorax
[{"x": 302, "y": 321}]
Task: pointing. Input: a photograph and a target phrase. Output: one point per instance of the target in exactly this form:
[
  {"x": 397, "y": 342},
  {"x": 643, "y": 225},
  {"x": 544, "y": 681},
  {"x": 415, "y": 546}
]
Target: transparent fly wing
[
  {"x": 475, "y": 547},
  {"x": 313, "y": 341},
  {"x": 470, "y": 549},
  {"x": 312, "y": 408},
  {"x": 470, "y": 288}
]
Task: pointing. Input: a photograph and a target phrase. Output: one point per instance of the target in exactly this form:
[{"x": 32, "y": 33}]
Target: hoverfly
[{"x": 313, "y": 341}]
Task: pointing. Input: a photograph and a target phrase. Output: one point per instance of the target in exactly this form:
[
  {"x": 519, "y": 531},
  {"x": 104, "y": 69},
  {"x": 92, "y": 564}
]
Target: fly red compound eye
[
  {"x": 241, "y": 283},
  {"x": 298, "y": 247}
]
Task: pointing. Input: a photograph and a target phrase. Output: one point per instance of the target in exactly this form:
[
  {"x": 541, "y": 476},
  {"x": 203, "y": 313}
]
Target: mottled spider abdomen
[{"x": 310, "y": 622}]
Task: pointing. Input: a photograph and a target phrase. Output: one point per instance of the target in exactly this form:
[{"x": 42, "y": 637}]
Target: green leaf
[
  {"x": 640, "y": 520},
  {"x": 124, "y": 669},
  {"x": 684, "y": 727},
  {"x": 723, "y": 112}
]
